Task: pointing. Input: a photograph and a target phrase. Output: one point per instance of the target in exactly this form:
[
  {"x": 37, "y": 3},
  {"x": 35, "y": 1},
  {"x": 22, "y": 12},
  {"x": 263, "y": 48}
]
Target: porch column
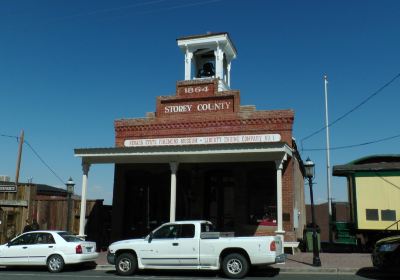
[
  {"x": 82, "y": 218},
  {"x": 172, "y": 210},
  {"x": 279, "y": 168}
]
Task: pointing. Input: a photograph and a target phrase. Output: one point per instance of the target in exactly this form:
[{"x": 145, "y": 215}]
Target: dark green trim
[
  {"x": 376, "y": 173},
  {"x": 373, "y": 156},
  {"x": 353, "y": 183}
]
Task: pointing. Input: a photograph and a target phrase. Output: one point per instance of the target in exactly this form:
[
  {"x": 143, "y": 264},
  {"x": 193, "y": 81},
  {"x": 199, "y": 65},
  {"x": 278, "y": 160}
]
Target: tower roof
[{"x": 198, "y": 41}]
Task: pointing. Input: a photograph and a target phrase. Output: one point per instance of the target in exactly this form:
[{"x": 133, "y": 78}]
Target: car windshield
[{"x": 69, "y": 237}]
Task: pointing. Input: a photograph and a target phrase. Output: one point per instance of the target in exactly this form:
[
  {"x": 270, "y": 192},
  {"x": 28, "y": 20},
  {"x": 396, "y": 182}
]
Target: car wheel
[
  {"x": 55, "y": 263},
  {"x": 126, "y": 264},
  {"x": 235, "y": 266}
]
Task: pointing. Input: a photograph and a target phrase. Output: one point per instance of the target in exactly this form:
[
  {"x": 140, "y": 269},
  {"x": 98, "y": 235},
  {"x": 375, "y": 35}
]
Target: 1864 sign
[{"x": 199, "y": 89}]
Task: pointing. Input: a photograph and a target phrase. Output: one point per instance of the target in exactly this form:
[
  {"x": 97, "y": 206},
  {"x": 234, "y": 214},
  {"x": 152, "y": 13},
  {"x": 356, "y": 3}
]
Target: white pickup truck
[{"x": 194, "y": 245}]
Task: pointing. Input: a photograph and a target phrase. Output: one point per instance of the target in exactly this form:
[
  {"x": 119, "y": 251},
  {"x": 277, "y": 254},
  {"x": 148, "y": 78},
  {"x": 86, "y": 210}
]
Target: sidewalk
[
  {"x": 336, "y": 263},
  {"x": 349, "y": 263}
]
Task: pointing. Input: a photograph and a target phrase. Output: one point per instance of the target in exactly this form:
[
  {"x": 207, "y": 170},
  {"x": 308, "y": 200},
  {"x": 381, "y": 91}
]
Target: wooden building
[
  {"x": 373, "y": 185},
  {"x": 48, "y": 206}
]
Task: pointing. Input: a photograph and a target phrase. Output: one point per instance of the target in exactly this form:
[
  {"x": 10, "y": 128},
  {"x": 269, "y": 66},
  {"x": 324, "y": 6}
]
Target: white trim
[{"x": 188, "y": 154}]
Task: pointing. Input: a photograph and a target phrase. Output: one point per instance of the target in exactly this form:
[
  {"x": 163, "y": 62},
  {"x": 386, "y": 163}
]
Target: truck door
[
  {"x": 188, "y": 245},
  {"x": 163, "y": 248}
]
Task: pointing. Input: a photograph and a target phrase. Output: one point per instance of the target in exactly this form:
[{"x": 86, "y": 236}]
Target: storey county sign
[
  {"x": 200, "y": 107},
  {"x": 207, "y": 140}
]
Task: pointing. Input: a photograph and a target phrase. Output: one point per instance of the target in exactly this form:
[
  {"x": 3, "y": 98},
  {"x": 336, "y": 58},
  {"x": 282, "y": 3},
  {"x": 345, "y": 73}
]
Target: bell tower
[{"x": 208, "y": 56}]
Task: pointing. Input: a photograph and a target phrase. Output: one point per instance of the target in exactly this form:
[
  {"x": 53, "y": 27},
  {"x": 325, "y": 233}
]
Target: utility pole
[
  {"x": 21, "y": 142},
  {"x": 328, "y": 163}
]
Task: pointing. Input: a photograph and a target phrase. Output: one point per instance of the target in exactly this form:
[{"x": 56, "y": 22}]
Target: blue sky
[{"x": 68, "y": 69}]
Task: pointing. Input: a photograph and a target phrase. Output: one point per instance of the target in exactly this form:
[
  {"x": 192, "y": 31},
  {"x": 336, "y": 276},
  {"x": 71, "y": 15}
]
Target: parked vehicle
[
  {"x": 386, "y": 254},
  {"x": 53, "y": 249},
  {"x": 194, "y": 245}
]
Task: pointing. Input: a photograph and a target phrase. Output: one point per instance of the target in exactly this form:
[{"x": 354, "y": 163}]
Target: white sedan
[{"x": 51, "y": 248}]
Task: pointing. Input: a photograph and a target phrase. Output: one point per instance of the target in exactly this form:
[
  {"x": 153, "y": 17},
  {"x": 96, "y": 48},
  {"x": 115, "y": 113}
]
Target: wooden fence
[
  {"x": 51, "y": 213},
  {"x": 15, "y": 209}
]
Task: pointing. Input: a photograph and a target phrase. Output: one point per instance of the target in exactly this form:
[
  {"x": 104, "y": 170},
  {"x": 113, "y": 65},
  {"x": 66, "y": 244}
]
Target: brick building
[{"x": 203, "y": 155}]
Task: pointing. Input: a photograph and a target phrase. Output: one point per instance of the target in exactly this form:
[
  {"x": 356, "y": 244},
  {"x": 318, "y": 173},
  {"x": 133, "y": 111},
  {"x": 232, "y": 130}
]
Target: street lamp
[
  {"x": 70, "y": 190},
  {"x": 309, "y": 167}
]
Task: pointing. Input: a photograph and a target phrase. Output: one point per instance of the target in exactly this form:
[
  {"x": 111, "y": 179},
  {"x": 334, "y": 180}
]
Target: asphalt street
[{"x": 76, "y": 273}]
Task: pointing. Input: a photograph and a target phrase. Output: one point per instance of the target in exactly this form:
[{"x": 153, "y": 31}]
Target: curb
[
  {"x": 104, "y": 267},
  {"x": 311, "y": 270},
  {"x": 327, "y": 270}
]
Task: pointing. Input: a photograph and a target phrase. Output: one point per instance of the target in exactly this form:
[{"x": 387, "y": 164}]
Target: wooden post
[{"x": 21, "y": 142}]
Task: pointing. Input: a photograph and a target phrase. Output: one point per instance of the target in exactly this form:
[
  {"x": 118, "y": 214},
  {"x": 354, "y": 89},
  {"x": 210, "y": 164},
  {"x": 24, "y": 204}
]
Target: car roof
[
  {"x": 389, "y": 239},
  {"x": 45, "y": 231},
  {"x": 189, "y": 222}
]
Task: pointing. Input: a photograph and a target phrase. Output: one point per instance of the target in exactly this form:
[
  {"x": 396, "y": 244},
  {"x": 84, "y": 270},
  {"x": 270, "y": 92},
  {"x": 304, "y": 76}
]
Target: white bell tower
[{"x": 208, "y": 56}]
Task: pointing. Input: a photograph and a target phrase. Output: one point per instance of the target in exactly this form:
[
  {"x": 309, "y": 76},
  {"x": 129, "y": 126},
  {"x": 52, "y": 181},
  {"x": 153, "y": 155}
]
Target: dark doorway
[
  {"x": 219, "y": 199},
  {"x": 234, "y": 196},
  {"x": 146, "y": 200}
]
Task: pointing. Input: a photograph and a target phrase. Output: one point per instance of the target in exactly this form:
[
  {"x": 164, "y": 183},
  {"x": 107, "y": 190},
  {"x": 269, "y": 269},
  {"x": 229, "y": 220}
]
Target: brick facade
[
  {"x": 198, "y": 109},
  {"x": 236, "y": 120}
]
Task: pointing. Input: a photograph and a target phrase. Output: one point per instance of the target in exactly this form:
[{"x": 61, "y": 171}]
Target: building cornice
[{"x": 148, "y": 124}]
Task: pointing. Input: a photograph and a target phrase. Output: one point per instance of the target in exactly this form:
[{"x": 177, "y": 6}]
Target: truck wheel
[
  {"x": 235, "y": 266},
  {"x": 126, "y": 264},
  {"x": 55, "y": 263}
]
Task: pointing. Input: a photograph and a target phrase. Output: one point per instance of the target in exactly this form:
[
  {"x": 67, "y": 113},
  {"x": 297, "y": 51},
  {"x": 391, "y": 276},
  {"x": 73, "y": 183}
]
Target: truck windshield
[{"x": 207, "y": 227}]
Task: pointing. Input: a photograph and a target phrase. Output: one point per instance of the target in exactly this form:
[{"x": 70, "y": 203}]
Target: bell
[{"x": 207, "y": 70}]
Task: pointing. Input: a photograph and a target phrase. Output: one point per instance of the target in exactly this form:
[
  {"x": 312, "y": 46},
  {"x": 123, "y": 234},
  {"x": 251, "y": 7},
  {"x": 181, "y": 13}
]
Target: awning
[{"x": 244, "y": 152}]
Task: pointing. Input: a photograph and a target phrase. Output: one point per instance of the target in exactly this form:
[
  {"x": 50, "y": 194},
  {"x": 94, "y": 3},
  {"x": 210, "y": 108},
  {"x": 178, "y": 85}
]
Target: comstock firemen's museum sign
[{"x": 227, "y": 139}]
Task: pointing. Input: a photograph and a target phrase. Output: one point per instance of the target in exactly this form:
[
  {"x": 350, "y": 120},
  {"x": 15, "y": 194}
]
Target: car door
[
  {"x": 188, "y": 246},
  {"x": 16, "y": 252},
  {"x": 163, "y": 247},
  {"x": 43, "y": 246}
]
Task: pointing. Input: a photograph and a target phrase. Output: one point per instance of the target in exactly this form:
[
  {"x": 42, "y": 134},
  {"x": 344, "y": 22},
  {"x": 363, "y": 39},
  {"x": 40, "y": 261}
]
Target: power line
[
  {"x": 108, "y": 10},
  {"x": 36, "y": 154},
  {"x": 356, "y": 145},
  {"x": 351, "y": 110},
  {"x": 9, "y": 136},
  {"x": 42, "y": 160},
  {"x": 132, "y": 7}
]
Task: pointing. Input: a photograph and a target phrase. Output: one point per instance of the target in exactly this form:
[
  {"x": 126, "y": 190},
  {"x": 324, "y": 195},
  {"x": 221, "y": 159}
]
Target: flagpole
[{"x": 328, "y": 164}]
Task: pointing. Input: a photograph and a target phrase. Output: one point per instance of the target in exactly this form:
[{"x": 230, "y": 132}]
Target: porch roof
[{"x": 243, "y": 152}]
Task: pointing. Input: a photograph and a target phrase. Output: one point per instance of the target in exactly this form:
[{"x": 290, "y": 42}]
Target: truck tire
[
  {"x": 126, "y": 264},
  {"x": 55, "y": 263},
  {"x": 235, "y": 266}
]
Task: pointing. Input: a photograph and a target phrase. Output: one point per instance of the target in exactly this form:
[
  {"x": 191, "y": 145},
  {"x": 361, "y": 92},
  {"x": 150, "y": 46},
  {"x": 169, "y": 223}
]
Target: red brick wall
[{"x": 237, "y": 120}]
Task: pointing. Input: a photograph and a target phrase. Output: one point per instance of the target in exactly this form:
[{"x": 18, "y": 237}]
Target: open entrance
[
  {"x": 236, "y": 197},
  {"x": 219, "y": 199}
]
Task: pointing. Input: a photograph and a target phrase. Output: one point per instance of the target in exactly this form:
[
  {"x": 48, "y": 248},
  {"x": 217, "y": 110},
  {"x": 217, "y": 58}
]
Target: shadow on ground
[
  {"x": 74, "y": 267},
  {"x": 374, "y": 273},
  {"x": 254, "y": 272}
]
